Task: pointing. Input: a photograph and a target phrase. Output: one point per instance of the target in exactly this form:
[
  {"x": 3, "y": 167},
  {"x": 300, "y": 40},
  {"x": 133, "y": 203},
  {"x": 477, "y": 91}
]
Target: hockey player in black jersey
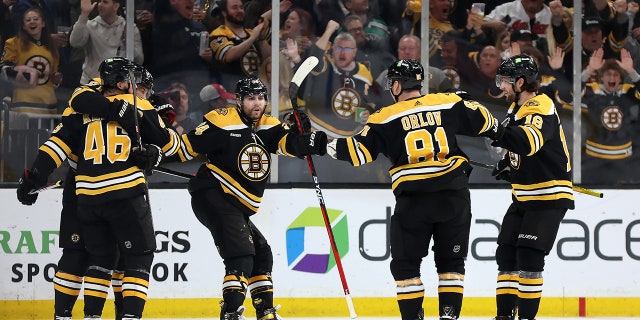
[
  {"x": 67, "y": 282},
  {"x": 538, "y": 167},
  {"x": 429, "y": 174},
  {"x": 228, "y": 189},
  {"x": 110, "y": 187}
]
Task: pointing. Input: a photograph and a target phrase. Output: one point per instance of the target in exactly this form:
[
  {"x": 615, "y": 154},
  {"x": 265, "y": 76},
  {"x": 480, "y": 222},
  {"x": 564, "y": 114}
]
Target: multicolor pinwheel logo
[{"x": 308, "y": 246}]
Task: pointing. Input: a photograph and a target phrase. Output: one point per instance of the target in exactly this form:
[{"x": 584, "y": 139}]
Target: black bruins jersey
[
  {"x": 223, "y": 39},
  {"x": 611, "y": 114},
  {"x": 538, "y": 154},
  {"x": 419, "y": 138},
  {"x": 334, "y": 99},
  {"x": 238, "y": 155},
  {"x": 104, "y": 170}
]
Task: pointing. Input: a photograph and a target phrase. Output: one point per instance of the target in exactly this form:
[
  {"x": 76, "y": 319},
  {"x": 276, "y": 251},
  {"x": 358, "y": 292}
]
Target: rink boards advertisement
[{"x": 596, "y": 255}]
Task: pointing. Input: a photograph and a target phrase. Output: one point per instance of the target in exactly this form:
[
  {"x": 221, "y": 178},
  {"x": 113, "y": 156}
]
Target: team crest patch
[
  {"x": 254, "y": 162},
  {"x": 344, "y": 103},
  {"x": 222, "y": 111},
  {"x": 75, "y": 238},
  {"x": 532, "y": 103},
  {"x": 217, "y": 42},
  {"x": 473, "y": 105}
]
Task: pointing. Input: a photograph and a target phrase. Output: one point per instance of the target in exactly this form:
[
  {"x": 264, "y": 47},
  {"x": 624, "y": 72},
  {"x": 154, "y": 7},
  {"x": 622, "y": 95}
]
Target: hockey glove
[
  {"x": 122, "y": 112},
  {"x": 147, "y": 158},
  {"x": 290, "y": 120},
  {"x": 495, "y": 133},
  {"x": 501, "y": 170},
  {"x": 310, "y": 143},
  {"x": 164, "y": 108},
  {"x": 29, "y": 181}
]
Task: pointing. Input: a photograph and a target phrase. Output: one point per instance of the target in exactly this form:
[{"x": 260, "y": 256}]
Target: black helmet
[
  {"x": 409, "y": 72},
  {"x": 143, "y": 77},
  {"x": 114, "y": 70},
  {"x": 250, "y": 86},
  {"x": 516, "y": 67}
]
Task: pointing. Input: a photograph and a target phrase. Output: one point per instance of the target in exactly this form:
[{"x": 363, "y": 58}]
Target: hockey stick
[
  {"x": 575, "y": 188},
  {"x": 303, "y": 70},
  {"x": 173, "y": 173},
  {"x": 47, "y": 187},
  {"x": 132, "y": 80}
]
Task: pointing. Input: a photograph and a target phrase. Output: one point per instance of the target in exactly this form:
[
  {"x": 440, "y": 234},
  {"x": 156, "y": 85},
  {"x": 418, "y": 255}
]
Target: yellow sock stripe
[
  {"x": 451, "y": 282},
  {"x": 95, "y": 293},
  {"x": 513, "y": 291},
  {"x": 133, "y": 293},
  {"x": 530, "y": 295},
  {"x": 535, "y": 282},
  {"x": 132, "y": 286},
  {"x": 65, "y": 290},
  {"x": 116, "y": 281},
  {"x": 409, "y": 289},
  {"x": 260, "y": 283},
  {"x": 98, "y": 281},
  {"x": 459, "y": 290},
  {"x": 413, "y": 295},
  {"x": 234, "y": 283},
  {"x": 68, "y": 277},
  {"x": 67, "y": 283}
]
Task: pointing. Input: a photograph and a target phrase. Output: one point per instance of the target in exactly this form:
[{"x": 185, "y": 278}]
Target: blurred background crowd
[{"x": 197, "y": 50}]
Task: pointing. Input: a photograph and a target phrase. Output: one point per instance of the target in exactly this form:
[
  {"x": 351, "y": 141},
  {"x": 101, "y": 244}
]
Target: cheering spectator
[
  {"x": 102, "y": 37},
  {"x": 237, "y": 50},
  {"x": 32, "y": 60}
]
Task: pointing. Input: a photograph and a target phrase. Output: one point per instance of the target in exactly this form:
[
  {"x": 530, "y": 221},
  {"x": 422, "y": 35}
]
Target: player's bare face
[
  {"x": 253, "y": 106},
  {"x": 235, "y": 12},
  {"x": 507, "y": 88},
  {"x": 33, "y": 24}
]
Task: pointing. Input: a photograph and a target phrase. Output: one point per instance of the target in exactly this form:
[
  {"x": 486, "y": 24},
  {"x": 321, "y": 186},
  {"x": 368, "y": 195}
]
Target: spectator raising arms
[{"x": 102, "y": 36}]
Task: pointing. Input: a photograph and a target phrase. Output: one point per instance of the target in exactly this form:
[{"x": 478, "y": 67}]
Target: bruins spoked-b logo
[
  {"x": 611, "y": 118},
  {"x": 345, "y": 102},
  {"x": 254, "y": 162},
  {"x": 250, "y": 62}
]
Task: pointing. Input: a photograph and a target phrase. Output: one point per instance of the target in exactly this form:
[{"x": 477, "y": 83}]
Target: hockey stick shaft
[
  {"x": 303, "y": 70},
  {"x": 135, "y": 109},
  {"x": 575, "y": 188},
  {"x": 173, "y": 173},
  {"x": 47, "y": 187}
]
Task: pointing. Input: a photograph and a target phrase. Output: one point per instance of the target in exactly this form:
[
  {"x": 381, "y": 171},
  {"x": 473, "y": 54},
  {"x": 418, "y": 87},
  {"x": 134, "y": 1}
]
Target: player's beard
[
  {"x": 233, "y": 20},
  {"x": 510, "y": 97}
]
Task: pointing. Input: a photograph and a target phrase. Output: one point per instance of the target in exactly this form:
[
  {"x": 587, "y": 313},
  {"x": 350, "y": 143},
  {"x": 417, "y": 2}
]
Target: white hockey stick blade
[
  {"x": 304, "y": 69},
  {"x": 47, "y": 187}
]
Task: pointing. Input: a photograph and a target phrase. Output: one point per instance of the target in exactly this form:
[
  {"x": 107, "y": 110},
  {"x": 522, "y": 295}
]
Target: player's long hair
[{"x": 45, "y": 33}]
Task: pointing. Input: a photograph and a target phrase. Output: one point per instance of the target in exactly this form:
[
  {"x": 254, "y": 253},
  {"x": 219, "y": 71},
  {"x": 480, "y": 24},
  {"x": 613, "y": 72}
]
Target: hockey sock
[
  {"x": 67, "y": 288},
  {"x": 116, "y": 285},
  {"x": 450, "y": 293},
  {"x": 507, "y": 293},
  {"x": 261, "y": 289},
  {"x": 97, "y": 281},
  {"x": 234, "y": 290},
  {"x": 410, "y": 295},
  {"x": 529, "y": 292},
  {"x": 135, "y": 286}
]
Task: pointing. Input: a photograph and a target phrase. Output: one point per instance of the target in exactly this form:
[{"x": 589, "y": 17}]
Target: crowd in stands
[{"x": 52, "y": 46}]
